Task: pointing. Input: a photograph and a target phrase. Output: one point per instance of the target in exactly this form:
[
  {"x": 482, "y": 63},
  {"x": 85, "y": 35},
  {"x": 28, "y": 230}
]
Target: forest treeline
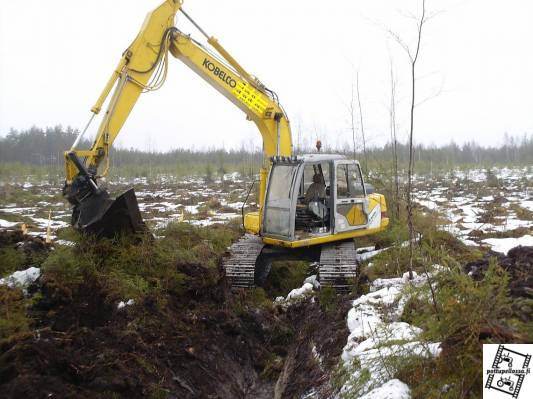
[{"x": 45, "y": 147}]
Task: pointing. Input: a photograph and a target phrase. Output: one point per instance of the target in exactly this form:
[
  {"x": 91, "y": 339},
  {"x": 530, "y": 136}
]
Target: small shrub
[
  {"x": 13, "y": 319},
  {"x": 328, "y": 299},
  {"x": 466, "y": 310},
  {"x": 285, "y": 276},
  {"x": 491, "y": 179},
  {"x": 11, "y": 260}
]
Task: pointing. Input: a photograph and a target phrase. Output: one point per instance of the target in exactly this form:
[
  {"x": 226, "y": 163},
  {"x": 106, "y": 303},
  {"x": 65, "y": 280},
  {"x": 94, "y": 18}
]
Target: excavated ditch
[{"x": 202, "y": 345}]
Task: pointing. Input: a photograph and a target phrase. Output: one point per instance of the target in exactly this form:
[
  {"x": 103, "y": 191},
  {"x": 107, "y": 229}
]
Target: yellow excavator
[{"x": 310, "y": 207}]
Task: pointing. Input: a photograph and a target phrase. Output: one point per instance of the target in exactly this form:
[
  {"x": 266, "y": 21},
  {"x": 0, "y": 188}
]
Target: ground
[
  {"x": 80, "y": 342},
  {"x": 154, "y": 317}
]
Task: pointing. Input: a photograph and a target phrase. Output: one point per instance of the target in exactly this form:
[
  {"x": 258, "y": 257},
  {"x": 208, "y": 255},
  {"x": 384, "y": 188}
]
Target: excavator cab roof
[{"x": 307, "y": 158}]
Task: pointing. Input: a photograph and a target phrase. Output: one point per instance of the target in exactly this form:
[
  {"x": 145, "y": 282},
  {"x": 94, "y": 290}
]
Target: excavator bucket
[{"x": 102, "y": 216}]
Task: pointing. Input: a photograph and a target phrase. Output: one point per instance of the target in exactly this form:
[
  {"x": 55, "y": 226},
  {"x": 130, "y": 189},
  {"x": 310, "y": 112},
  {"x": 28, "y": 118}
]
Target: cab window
[
  {"x": 349, "y": 181},
  {"x": 310, "y": 170}
]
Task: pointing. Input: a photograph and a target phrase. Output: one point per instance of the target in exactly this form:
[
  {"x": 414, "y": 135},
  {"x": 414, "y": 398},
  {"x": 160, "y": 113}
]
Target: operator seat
[
  {"x": 317, "y": 190},
  {"x": 316, "y": 212}
]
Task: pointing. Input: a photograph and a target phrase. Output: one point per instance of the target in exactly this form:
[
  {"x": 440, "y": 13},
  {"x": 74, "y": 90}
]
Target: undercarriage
[{"x": 249, "y": 261}]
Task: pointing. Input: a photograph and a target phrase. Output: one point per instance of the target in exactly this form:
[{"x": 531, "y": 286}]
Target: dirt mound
[
  {"x": 31, "y": 249},
  {"x": 518, "y": 263},
  {"x": 20, "y": 240}
]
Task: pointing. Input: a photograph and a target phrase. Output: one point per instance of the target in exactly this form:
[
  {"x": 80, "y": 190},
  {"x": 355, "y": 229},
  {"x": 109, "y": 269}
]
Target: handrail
[{"x": 246, "y": 200}]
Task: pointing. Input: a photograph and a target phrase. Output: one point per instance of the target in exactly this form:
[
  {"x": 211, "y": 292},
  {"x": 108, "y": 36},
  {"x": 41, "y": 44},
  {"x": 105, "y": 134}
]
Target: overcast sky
[{"x": 476, "y": 68}]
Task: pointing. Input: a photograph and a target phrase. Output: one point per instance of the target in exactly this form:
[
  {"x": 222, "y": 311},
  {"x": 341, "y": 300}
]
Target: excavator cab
[
  {"x": 310, "y": 199},
  {"x": 314, "y": 207}
]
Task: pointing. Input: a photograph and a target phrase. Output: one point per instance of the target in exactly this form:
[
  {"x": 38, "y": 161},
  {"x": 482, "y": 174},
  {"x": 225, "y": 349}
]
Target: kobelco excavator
[{"x": 310, "y": 207}]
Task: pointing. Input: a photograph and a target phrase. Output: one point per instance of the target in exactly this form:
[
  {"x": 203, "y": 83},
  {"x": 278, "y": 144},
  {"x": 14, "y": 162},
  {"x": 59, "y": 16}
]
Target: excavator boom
[{"x": 142, "y": 68}]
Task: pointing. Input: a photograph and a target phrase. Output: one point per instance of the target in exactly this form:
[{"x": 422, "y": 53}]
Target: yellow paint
[
  {"x": 326, "y": 239},
  {"x": 252, "y": 98},
  {"x": 356, "y": 216},
  {"x": 252, "y": 222},
  {"x": 375, "y": 199}
]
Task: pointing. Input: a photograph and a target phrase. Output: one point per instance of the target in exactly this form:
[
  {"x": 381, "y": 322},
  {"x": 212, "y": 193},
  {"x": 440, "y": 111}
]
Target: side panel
[
  {"x": 251, "y": 222},
  {"x": 351, "y": 203}
]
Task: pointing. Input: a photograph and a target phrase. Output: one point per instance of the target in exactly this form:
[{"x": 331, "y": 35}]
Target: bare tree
[
  {"x": 413, "y": 58},
  {"x": 394, "y": 143},
  {"x": 361, "y": 122},
  {"x": 352, "y": 124}
]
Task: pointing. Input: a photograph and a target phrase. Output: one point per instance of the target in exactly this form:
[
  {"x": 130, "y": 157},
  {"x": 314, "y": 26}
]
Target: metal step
[
  {"x": 239, "y": 264},
  {"x": 338, "y": 266}
]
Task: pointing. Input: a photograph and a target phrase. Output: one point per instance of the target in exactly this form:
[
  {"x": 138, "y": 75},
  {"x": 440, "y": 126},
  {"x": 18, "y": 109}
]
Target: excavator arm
[
  {"x": 142, "y": 68},
  {"x": 258, "y": 103}
]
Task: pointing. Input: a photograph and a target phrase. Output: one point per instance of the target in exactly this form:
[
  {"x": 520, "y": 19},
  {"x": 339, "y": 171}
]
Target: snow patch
[
  {"x": 298, "y": 293},
  {"x": 65, "y": 243},
  {"x": 393, "y": 389},
  {"x": 376, "y": 336},
  {"x": 313, "y": 280},
  {"x": 6, "y": 224},
  {"x": 504, "y": 245},
  {"x": 22, "y": 278},
  {"x": 123, "y": 304}
]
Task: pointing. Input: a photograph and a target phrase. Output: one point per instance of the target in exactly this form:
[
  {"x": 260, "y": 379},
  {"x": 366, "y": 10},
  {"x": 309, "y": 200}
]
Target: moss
[
  {"x": 273, "y": 367},
  {"x": 521, "y": 213},
  {"x": 328, "y": 300},
  {"x": 281, "y": 334},
  {"x": 68, "y": 234},
  {"x": 158, "y": 392},
  {"x": 390, "y": 263},
  {"x": 285, "y": 276},
  {"x": 138, "y": 267},
  {"x": 395, "y": 233},
  {"x": 68, "y": 265},
  {"x": 11, "y": 260},
  {"x": 254, "y": 297},
  {"x": 435, "y": 247},
  {"x": 13, "y": 318},
  {"x": 426, "y": 379},
  {"x": 516, "y": 233},
  {"x": 445, "y": 242}
]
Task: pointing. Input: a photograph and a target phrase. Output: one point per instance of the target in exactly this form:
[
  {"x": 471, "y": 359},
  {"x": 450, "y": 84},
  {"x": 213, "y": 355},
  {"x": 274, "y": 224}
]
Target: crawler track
[
  {"x": 239, "y": 265},
  {"x": 338, "y": 266}
]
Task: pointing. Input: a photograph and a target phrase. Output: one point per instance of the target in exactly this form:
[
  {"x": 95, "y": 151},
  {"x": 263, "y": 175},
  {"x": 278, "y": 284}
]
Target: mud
[
  {"x": 519, "y": 265},
  {"x": 199, "y": 345}
]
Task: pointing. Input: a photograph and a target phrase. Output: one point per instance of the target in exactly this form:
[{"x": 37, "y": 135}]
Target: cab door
[{"x": 350, "y": 200}]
